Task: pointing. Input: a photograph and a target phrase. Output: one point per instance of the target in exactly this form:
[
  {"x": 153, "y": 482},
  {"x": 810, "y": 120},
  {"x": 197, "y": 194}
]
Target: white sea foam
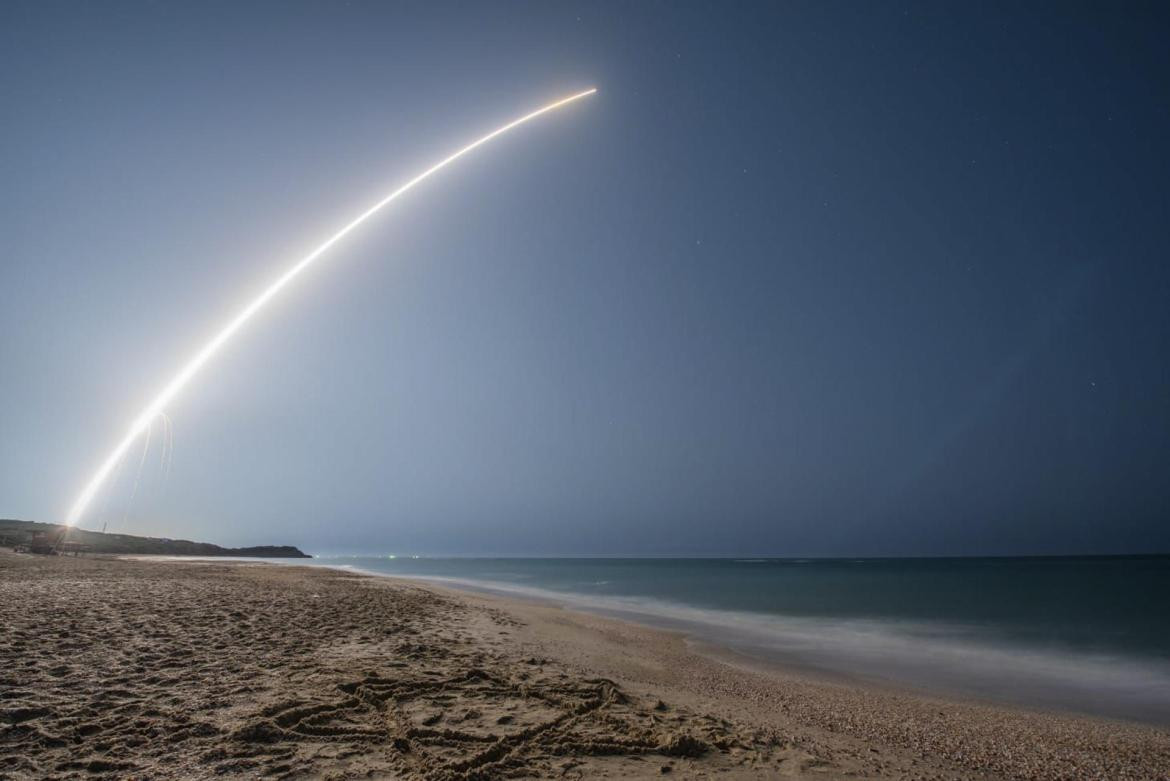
[{"x": 948, "y": 658}]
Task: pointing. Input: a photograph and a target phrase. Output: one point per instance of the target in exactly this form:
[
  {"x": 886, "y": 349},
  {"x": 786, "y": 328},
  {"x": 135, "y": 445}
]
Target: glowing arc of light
[{"x": 208, "y": 351}]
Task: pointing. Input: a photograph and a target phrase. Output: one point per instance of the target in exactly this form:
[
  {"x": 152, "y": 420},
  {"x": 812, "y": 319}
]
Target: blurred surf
[{"x": 1084, "y": 634}]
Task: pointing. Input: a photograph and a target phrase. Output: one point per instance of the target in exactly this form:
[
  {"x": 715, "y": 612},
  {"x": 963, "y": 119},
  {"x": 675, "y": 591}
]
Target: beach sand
[{"x": 183, "y": 669}]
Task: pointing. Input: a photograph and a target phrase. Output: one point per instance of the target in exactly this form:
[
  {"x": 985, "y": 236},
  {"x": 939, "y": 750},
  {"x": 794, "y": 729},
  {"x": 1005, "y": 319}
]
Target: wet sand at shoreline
[{"x": 118, "y": 668}]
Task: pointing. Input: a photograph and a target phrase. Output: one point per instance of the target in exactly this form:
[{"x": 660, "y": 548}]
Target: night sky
[{"x": 807, "y": 279}]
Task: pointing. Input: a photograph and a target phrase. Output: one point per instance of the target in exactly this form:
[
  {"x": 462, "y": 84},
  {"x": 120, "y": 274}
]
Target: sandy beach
[{"x": 115, "y": 668}]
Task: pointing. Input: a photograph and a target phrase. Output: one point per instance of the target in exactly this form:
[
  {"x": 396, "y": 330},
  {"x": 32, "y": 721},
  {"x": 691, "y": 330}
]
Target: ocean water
[{"x": 1087, "y": 634}]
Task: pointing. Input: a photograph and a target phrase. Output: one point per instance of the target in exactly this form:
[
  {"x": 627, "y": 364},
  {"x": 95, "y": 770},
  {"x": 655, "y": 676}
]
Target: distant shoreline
[
  {"x": 870, "y": 653},
  {"x": 50, "y": 534}
]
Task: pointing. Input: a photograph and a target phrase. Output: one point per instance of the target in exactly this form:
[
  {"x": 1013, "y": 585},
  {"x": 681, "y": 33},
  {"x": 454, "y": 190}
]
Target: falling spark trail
[
  {"x": 208, "y": 351},
  {"x": 168, "y": 445},
  {"x": 138, "y": 475},
  {"x": 142, "y": 461}
]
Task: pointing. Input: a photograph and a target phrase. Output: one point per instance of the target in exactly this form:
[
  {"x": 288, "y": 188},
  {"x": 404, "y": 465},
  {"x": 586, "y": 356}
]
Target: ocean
[{"x": 1087, "y": 634}]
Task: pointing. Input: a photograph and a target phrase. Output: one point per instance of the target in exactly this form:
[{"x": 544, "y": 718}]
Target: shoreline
[
  {"x": 1055, "y": 683},
  {"x": 723, "y": 650},
  {"x": 179, "y": 669},
  {"x": 727, "y": 675}
]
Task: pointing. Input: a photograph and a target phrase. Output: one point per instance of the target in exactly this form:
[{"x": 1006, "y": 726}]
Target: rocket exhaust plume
[{"x": 172, "y": 389}]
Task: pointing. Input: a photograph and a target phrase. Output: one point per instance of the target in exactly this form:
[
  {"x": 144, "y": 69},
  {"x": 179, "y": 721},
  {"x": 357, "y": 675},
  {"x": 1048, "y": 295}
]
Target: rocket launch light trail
[{"x": 208, "y": 351}]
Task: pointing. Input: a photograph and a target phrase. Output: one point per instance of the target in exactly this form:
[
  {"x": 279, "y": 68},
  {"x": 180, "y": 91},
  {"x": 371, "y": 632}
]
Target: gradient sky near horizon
[{"x": 803, "y": 279}]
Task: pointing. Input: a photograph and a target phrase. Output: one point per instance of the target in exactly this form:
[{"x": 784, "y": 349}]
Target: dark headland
[{"x": 14, "y": 532}]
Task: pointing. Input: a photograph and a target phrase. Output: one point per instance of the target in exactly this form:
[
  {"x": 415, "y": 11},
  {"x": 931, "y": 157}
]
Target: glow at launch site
[{"x": 184, "y": 376}]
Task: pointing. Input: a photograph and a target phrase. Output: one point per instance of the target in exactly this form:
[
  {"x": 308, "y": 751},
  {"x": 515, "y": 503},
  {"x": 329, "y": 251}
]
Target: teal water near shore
[{"x": 1088, "y": 634}]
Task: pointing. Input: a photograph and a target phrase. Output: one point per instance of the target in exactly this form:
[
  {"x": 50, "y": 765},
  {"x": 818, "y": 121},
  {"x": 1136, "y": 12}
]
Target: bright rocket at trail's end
[{"x": 157, "y": 406}]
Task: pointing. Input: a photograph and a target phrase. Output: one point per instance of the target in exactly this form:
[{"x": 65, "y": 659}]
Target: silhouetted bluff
[{"x": 22, "y": 532}]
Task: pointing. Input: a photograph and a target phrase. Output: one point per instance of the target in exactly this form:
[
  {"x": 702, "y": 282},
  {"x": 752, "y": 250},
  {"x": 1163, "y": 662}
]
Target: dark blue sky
[{"x": 803, "y": 279}]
